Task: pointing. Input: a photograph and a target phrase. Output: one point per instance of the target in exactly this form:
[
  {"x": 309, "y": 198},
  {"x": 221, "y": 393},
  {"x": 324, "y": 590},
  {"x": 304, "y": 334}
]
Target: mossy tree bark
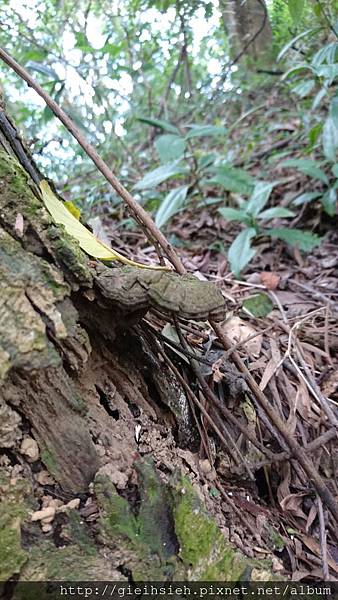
[{"x": 76, "y": 379}]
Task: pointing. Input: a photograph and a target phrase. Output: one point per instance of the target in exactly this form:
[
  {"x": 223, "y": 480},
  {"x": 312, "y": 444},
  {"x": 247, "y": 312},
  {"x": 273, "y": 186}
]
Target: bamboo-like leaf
[
  {"x": 87, "y": 241},
  {"x": 241, "y": 251}
]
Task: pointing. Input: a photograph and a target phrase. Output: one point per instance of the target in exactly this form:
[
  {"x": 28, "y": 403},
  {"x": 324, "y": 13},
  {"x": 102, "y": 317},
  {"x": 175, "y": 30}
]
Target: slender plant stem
[{"x": 137, "y": 210}]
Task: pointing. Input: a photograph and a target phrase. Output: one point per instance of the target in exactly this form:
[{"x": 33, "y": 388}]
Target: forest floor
[{"x": 282, "y": 320}]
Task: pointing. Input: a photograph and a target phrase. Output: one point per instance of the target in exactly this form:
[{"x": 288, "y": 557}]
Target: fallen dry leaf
[
  {"x": 293, "y": 503},
  {"x": 238, "y": 330},
  {"x": 217, "y": 374},
  {"x": 270, "y": 280}
]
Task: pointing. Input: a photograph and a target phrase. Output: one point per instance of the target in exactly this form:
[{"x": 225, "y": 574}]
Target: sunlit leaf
[
  {"x": 241, "y": 251},
  {"x": 328, "y": 72},
  {"x": 330, "y": 138},
  {"x": 318, "y": 98},
  {"x": 171, "y": 204},
  {"x": 303, "y": 88},
  {"x": 327, "y": 52},
  {"x": 87, "y": 241}
]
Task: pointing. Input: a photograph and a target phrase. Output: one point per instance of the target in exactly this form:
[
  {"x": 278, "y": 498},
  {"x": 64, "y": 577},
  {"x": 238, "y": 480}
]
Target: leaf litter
[{"x": 291, "y": 348}]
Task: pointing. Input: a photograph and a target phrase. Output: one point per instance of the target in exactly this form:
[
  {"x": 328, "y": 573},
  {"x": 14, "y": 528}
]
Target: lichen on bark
[{"x": 169, "y": 536}]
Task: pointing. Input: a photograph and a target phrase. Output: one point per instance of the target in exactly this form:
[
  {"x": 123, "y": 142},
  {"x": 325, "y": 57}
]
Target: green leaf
[
  {"x": 328, "y": 72},
  {"x": 330, "y": 132},
  {"x": 160, "y": 123},
  {"x": 206, "y": 160},
  {"x": 308, "y": 167},
  {"x": 112, "y": 49},
  {"x": 204, "y": 130},
  {"x": 335, "y": 170},
  {"x": 317, "y": 100},
  {"x": 170, "y": 205},
  {"x": 240, "y": 251},
  {"x": 258, "y": 305},
  {"x": 304, "y": 88},
  {"x": 296, "y": 8},
  {"x": 314, "y": 133},
  {"x": 276, "y": 211},
  {"x": 233, "y": 214},
  {"x": 82, "y": 42},
  {"x": 306, "y": 197},
  {"x": 330, "y": 138},
  {"x": 303, "y": 239},
  {"x": 329, "y": 201},
  {"x": 327, "y": 52},
  {"x": 169, "y": 147},
  {"x": 295, "y": 39},
  {"x": 259, "y": 197},
  {"x": 157, "y": 176},
  {"x": 233, "y": 179},
  {"x": 296, "y": 69},
  {"x": 47, "y": 114}
]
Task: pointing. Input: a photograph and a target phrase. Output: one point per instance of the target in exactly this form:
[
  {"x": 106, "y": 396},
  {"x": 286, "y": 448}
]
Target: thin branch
[
  {"x": 135, "y": 208},
  {"x": 297, "y": 451},
  {"x": 323, "y": 541}
]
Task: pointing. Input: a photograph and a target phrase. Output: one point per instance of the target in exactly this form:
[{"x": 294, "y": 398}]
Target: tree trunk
[
  {"x": 248, "y": 28},
  {"x": 78, "y": 381}
]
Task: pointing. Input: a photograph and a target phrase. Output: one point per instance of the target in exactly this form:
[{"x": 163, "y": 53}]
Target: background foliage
[{"x": 152, "y": 86}]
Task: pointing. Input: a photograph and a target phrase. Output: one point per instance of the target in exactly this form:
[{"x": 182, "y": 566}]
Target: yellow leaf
[
  {"x": 88, "y": 242},
  {"x": 74, "y": 210}
]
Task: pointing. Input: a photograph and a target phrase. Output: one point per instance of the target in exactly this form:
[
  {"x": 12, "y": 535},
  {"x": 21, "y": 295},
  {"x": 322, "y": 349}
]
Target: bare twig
[
  {"x": 307, "y": 378},
  {"x": 323, "y": 541},
  {"x": 297, "y": 451},
  {"x": 206, "y": 389},
  {"x": 319, "y": 442}
]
